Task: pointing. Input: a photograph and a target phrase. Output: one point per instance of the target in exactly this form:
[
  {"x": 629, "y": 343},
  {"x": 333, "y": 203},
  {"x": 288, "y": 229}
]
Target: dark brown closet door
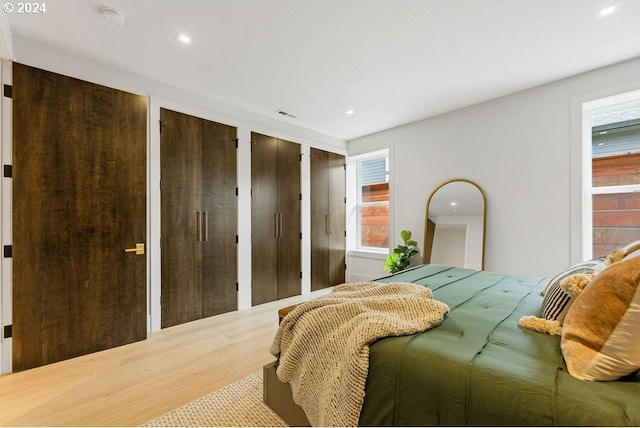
[
  {"x": 320, "y": 226},
  {"x": 198, "y": 218},
  {"x": 289, "y": 257},
  {"x": 219, "y": 205},
  {"x": 338, "y": 221},
  {"x": 328, "y": 223},
  {"x": 181, "y": 199},
  {"x": 264, "y": 219},
  {"x": 79, "y": 200},
  {"x": 275, "y": 219}
]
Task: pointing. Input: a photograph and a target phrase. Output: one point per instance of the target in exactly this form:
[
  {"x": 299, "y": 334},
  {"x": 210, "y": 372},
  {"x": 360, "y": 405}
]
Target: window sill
[{"x": 369, "y": 254}]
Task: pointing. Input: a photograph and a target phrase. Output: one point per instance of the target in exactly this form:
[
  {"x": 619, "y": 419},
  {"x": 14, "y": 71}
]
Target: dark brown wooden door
[
  {"x": 337, "y": 219},
  {"x": 275, "y": 218},
  {"x": 198, "y": 218},
  {"x": 220, "y": 219},
  {"x": 320, "y": 244},
  {"x": 79, "y": 200},
  {"x": 289, "y": 257},
  {"x": 327, "y": 219},
  {"x": 180, "y": 206}
]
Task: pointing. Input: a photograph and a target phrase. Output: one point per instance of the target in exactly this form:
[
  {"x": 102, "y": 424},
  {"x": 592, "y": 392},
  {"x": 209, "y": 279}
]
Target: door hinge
[
  {"x": 237, "y": 239},
  {"x": 8, "y": 91},
  {"x": 300, "y": 196},
  {"x": 162, "y": 124},
  {"x": 300, "y": 157},
  {"x": 237, "y": 287},
  {"x": 300, "y": 275},
  {"x": 8, "y": 251},
  {"x": 236, "y": 143},
  {"x": 300, "y": 235},
  {"x": 237, "y": 191},
  {"x": 8, "y": 331},
  {"x": 8, "y": 171}
]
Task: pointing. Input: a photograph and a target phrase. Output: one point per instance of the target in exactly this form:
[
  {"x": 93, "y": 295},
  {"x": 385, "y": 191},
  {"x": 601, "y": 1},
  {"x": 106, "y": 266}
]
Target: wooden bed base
[{"x": 277, "y": 395}]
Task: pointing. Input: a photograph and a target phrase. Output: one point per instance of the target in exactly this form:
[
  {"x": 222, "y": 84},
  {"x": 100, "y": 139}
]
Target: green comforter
[{"x": 480, "y": 368}]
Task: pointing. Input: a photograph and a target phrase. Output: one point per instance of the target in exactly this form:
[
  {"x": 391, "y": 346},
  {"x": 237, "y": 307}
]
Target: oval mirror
[{"x": 455, "y": 223}]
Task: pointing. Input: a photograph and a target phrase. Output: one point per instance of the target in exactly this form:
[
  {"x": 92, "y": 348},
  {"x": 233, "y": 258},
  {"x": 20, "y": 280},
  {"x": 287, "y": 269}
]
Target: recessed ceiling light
[
  {"x": 184, "y": 38},
  {"x": 608, "y": 10},
  {"x": 112, "y": 15},
  {"x": 350, "y": 112}
]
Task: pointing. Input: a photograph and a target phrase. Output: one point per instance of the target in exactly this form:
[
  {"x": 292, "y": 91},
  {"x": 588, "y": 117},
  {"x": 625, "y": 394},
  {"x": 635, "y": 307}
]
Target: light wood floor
[{"x": 132, "y": 384}]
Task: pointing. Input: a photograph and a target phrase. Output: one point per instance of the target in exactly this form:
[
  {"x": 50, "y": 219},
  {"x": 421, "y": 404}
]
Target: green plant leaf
[{"x": 401, "y": 255}]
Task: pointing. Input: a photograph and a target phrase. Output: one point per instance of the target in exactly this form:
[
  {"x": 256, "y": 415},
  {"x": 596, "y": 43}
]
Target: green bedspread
[{"x": 480, "y": 368}]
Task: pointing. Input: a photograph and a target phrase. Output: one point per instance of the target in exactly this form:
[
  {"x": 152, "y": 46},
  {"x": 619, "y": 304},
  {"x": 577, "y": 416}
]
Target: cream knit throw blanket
[{"x": 324, "y": 343}]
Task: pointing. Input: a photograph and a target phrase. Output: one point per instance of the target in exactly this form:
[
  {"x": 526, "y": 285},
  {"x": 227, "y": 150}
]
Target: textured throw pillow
[
  {"x": 601, "y": 332},
  {"x": 556, "y": 301}
]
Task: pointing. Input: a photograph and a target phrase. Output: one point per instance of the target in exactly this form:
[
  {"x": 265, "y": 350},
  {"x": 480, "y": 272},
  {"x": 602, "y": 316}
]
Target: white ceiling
[{"x": 392, "y": 61}]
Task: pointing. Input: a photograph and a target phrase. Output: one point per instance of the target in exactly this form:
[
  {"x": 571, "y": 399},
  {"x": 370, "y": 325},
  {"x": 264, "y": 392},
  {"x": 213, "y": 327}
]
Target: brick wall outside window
[{"x": 616, "y": 217}]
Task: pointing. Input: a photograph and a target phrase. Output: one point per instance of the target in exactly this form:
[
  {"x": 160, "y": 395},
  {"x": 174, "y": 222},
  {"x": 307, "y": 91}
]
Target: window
[
  {"x": 373, "y": 201},
  {"x": 614, "y": 185}
]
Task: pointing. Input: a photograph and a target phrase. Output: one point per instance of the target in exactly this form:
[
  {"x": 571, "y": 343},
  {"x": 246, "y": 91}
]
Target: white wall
[{"x": 521, "y": 151}]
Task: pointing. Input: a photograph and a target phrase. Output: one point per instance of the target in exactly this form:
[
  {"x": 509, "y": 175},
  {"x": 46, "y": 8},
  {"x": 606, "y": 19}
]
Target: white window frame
[
  {"x": 355, "y": 162},
  {"x": 589, "y": 110}
]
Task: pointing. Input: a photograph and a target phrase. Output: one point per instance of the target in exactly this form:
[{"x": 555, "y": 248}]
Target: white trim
[
  {"x": 589, "y": 109},
  {"x": 612, "y": 99},
  {"x": 357, "y": 160},
  {"x": 6, "y": 314},
  {"x": 371, "y": 254},
  {"x": 607, "y": 190}
]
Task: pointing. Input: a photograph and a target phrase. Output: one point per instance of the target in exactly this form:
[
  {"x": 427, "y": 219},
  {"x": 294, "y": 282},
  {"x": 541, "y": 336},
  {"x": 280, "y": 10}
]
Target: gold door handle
[{"x": 139, "y": 250}]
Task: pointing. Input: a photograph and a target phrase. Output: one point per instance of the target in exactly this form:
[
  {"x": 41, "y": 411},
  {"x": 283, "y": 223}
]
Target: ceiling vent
[{"x": 284, "y": 113}]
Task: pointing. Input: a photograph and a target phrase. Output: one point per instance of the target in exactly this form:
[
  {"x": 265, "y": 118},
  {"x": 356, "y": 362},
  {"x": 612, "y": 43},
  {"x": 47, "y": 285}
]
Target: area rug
[{"x": 238, "y": 404}]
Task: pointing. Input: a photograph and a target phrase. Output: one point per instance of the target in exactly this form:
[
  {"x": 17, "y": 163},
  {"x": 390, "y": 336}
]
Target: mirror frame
[{"x": 429, "y": 226}]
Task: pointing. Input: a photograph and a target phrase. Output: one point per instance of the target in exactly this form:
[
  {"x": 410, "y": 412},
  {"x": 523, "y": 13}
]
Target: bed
[{"x": 478, "y": 367}]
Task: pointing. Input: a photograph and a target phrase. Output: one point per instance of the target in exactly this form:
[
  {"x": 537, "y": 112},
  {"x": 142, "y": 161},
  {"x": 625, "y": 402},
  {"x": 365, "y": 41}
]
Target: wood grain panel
[
  {"x": 264, "y": 206},
  {"x": 275, "y": 219},
  {"x": 219, "y": 200},
  {"x": 79, "y": 199},
  {"x": 199, "y": 218},
  {"x": 328, "y": 222},
  {"x": 320, "y": 244},
  {"x": 337, "y": 209},
  {"x": 289, "y": 281},
  {"x": 181, "y": 200}
]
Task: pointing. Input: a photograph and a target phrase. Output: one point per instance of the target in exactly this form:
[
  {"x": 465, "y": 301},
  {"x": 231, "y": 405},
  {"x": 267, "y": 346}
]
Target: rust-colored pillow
[{"x": 601, "y": 332}]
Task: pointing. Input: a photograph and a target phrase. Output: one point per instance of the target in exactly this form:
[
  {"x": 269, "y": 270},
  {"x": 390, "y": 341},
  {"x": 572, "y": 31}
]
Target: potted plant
[{"x": 401, "y": 256}]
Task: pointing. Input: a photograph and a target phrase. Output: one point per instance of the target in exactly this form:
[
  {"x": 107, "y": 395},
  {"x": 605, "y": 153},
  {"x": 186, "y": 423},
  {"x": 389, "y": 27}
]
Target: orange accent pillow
[{"x": 601, "y": 332}]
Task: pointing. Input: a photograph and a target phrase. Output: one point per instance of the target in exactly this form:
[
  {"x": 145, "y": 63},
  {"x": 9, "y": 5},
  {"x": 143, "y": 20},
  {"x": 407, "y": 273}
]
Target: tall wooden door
[
  {"x": 275, "y": 219},
  {"x": 79, "y": 202},
  {"x": 338, "y": 218},
  {"x": 328, "y": 221},
  {"x": 198, "y": 218}
]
